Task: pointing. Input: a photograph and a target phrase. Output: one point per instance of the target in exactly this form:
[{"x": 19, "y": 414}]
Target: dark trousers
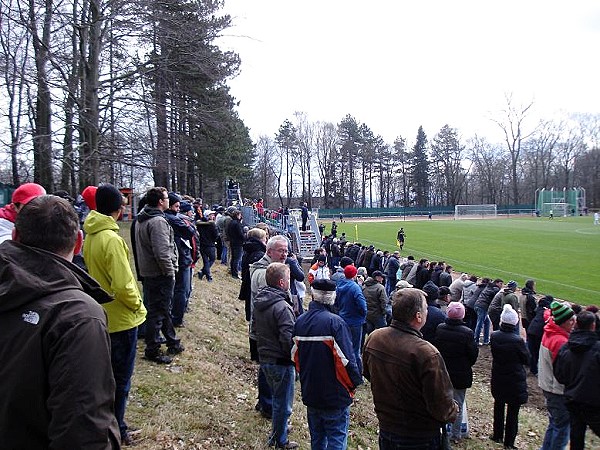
[
  {"x": 470, "y": 318},
  {"x": 392, "y": 441},
  {"x": 158, "y": 294},
  {"x": 582, "y": 416},
  {"x": 533, "y": 344},
  {"x": 122, "y": 358},
  {"x": 208, "y": 259},
  {"x": 236, "y": 257},
  {"x": 181, "y": 291},
  {"x": 506, "y": 433}
]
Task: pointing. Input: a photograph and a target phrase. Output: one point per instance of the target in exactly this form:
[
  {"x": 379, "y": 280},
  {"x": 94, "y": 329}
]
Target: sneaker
[
  {"x": 200, "y": 275},
  {"x": 159, "y": 358},
  {"x": 175, "y": 350},
  {"x": 495, "y": 439}
]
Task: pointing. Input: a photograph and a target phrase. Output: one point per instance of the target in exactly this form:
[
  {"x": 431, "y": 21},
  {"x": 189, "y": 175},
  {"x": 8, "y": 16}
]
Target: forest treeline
[{"x": 135, "y": 92}]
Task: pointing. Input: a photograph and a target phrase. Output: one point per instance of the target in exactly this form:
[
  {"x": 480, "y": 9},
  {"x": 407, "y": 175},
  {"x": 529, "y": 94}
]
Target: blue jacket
[
  {"x": 350, "y": 302},
  {"x": 324, "y": 358}
]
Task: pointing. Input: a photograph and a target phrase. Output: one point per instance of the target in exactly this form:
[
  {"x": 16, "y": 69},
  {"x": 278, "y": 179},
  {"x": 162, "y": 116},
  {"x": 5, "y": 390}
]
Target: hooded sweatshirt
[
  {"x": 106, "y": 256},
  {"x": 57, "y": 385}
]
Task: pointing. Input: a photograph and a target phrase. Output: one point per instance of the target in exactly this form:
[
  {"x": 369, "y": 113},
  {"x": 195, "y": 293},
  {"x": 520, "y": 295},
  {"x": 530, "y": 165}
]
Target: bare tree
[{"x": 512, "y": 125}]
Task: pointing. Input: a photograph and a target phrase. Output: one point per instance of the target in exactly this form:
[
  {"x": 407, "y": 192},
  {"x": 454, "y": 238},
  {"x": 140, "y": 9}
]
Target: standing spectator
[
  {"x": 435, "y": 315},
  {"x": 339, "y": 271},
  {"x": 183, "y": 233},
  {"x": 412, "y": 391},
  {"x": 276, "y": 251},
  {"x": 509, "y": 380},
  {"x": 208, "y": 235},
  {"x": 20, "y": 197},
  {"x": 57, "y": 385},
  {"x": 446, "y": 277},
  {"x": 275, "y": 319},
  {"x": 437, "y": 271},
  {"x": 455, "y": 342},
  {"x": 107, "y": 260},
  {"x": 319, "y": 270},
  {"x": 528, "y": 308},
  {"x": 556, "y": 334},
  {"x": 329, "y": 375},
  {"x": 390, "y": 270},
  {"x": 456, "y": 287},
  {"x": 406, "y": 268},
  {"x": 469, "y": 297},
  {"x": 254, "y": 249},
  {"x": 297, "y": 286},
  {"x": 304, "y": 215},
  {"x": 578, "y": 368},
  {"x": 422, "y": 275},
  {"x": 321, "y": 229},
  {"x": 352, "y": 307},
  {"x": 157, "y": 259},
  {"x": 377, "y": 303},
  {"x": 536, "y": 331},
  {"x": 235, "y": 232},
  {"x": 482, "y": 305}
]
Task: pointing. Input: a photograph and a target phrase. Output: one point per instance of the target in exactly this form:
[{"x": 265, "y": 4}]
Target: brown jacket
[{"x": 411, "y": 387}]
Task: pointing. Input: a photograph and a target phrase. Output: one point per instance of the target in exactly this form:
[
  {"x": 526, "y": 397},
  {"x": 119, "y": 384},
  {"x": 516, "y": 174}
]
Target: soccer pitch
[{"x": 562, "y": 254}]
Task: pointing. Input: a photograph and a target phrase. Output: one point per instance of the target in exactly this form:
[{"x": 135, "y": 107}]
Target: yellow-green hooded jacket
[{"x": 106, "y": 256}]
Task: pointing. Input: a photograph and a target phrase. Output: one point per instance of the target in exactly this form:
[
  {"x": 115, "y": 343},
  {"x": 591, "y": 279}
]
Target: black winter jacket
[
  {"x": 577, "y": 366},
  {"x": 510, "y": 354},
  {"x": 455, "y": 342},
  {"x": 253, "y": 251},
  {"x": 536, "y": 326}
]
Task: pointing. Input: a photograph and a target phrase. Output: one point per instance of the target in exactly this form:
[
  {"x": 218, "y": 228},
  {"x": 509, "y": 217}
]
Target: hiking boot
[
  {"x": 158, "y": 358},
  {"x": 175, "y": 350},
  {"x": 288, "y": 445}
]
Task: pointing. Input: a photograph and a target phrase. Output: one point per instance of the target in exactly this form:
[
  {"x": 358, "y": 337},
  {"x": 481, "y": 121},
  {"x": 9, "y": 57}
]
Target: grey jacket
[
  {"x": 275, "y": 320},
  {"x": 155, "y": 244}
]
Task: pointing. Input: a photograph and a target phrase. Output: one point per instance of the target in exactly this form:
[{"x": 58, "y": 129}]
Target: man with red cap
[
  {"x": 352, "y": 307},
  {"x": 21, "y": 196}
]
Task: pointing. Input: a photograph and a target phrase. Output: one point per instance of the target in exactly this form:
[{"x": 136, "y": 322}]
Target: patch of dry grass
[{"x": 206, "y": 398}]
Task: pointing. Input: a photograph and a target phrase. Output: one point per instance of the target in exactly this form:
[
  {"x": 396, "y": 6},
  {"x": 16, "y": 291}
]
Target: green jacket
[{"x": 106, "y": 256}]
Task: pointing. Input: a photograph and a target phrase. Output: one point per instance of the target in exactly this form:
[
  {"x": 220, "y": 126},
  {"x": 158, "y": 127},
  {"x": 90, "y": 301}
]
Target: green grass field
[{"x": 562, "y": 255}]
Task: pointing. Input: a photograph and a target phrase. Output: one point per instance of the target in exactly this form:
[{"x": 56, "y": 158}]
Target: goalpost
[
  {"x": 559, "y": 209},
  {"x": 478, "y": 211}
]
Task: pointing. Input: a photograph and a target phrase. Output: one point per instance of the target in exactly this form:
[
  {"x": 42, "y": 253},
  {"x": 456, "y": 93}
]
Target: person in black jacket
[
  {"x": 422, "y": 275},
  {"x": 535, "y": 331},
  {"x": 509, "y": 379},
  {"x": 528, "y": 312},
  {"x": 577, "y": 366},
  {"x": 435, "y": 315},
  {"x": 207, "y": 241},
  {"x": 235, "y": 231},
  {"x": 455, "y": 342},
  {"x": 481, "y": 308}
]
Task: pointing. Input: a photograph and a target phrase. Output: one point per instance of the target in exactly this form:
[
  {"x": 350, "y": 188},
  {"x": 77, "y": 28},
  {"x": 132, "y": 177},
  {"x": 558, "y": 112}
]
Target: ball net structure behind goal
[
  {"x": 475, "y": 211},
  {"x": 562, "y": 202}
]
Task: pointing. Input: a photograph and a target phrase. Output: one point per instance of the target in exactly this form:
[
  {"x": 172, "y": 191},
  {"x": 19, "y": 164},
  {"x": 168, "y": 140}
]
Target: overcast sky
[{"x": 395, "y": 65}]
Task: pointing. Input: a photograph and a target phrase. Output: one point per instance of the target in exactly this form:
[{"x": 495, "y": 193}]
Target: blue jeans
[
  {"x": 122, "y": 358},
  {"x": 181, "y": 291},
  {"x": 281, "y": 380},
  {"x": 236, "y": 258},
  {"x": 482, "y": 321},
  {"x": 557, "y": 433},
  {"x": 392, "y": 441},
  {"x": 356, "y": 333},
  {"x": 224, "y": 254},
  {"x": 209, "y": 255},
  {"x": 328, "y": 428},
  {"x": 390, "y": 285},
  {"x": 158, "y": 293},
  {"x": 459, "y": 397}
]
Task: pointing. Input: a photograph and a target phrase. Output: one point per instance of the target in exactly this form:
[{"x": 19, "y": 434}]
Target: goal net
[
  {"x": 475, "y": 211},
  {"x": 560, "y": 209}
]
